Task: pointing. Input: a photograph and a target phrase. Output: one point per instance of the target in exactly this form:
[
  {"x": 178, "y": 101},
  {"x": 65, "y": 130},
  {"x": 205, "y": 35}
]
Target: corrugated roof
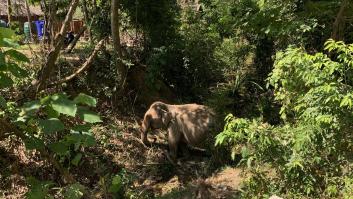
[{"x": 19, "y": 8}]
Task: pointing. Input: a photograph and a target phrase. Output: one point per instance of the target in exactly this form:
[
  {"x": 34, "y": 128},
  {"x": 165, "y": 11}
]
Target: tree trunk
[
  {"x": 338, "y": 24},
  {"x": 115, "y": 25},
  {"x": 9, "y": 11},
  {"x": 49, "y": 66},
  {"x": 29, "y": 19},
  {"x": 44, "y": 7},
  {"x": 51, "y": 22},
  {"x": 74, "y": 42},
  {"x": 87, "y": 21}
]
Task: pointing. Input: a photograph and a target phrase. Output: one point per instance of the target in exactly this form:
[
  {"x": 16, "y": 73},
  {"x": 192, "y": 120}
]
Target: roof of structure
[{"x": 19, "y": 8}]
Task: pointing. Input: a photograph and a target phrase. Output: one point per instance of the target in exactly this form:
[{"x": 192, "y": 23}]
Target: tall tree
[
  {"x": 115, "y": 25},
  {"x": 29, "y": 17},
  {"x": 338, "y": 25},
  {"x": 9, "y": 11},
  {"x": 87, "y": 21}
]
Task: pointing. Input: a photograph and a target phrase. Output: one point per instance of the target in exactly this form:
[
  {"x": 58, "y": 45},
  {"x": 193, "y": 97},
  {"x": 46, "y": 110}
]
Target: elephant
[{"x": 186, "y": 124}]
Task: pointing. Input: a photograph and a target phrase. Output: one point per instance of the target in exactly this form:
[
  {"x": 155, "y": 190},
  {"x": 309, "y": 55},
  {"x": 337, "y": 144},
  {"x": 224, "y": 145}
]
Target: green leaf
[
  {"x": 116, "y": 185},
  {"x": 38, "y": 189},
  {"x": 86, "y": 100},
  {"x": 74, "y": 191},
  {"x": 59, "y": 147},
  {"x": 74, "y": 138},
  {"x": 88, "y": 116},
  {"x": 17, "y": 71},
  {"x": 45, "y": 100},
  {"x": 76, "y": 159},
  {"x": 17, "y": 55},
  {"x": 5, "y": 81},
  {"x": 63, "y": 105},
  {"x": 29, "y": 108},
  {"x": 51, "y": 112},
  {"x": 9, "y": 43},
  {"x": 88, "y": 140},
  {"x": 34, "y": 143},
  {"x": 51, "y": 125},
  {"x": 82, "y": 128}
]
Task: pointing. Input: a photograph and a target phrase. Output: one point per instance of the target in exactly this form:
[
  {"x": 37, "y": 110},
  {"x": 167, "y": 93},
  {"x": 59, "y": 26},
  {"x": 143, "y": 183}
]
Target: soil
[{"x": 119, "y": 148}]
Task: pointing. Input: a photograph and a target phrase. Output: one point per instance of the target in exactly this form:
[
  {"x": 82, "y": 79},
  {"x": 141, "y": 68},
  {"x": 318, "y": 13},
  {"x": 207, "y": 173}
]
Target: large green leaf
[
  {"x": 17, "y": 55},
  {"x": 85, "y": 100},
  {"x": 34, "y": 143},
  {"x": 74, "y": 138},
  {"x": 116, "y": 185},
  {"x": 59, "y": 147},
  {"x": 51, "y": 113},
  {"x": 30, "y": 108},
  {"x": 38, "y": 189},
  {"x": 16, "y": 70},
  {"x": 63, "y": 105},
  {"x": 82, "y": 128},
  {"x": 51, "y": 125},
  {"x": 5, "y": 81},
  {"x": 88, "y": 116},
  {"x": 88, "y": 140}
]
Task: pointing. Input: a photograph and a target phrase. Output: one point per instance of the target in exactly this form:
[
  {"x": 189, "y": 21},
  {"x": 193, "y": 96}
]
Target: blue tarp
[{"x": 40, "y": 28}]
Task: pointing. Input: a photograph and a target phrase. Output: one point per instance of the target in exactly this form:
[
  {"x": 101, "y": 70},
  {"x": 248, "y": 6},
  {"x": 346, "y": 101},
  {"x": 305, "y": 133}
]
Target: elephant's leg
[
  {"x": 183, "y": 145},
  {"x": 173, "y": 141}
]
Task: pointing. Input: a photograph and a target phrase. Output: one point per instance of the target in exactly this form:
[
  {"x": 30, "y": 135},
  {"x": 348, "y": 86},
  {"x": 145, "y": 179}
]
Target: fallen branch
[{"x": 84, "y": 65}]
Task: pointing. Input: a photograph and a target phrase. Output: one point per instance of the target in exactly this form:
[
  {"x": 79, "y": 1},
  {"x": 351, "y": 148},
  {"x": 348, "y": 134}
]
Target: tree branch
[{"x": 84, "y": 65}]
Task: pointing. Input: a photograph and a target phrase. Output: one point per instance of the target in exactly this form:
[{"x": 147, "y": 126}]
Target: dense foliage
[
  {"x": 279, "y": 72},
  {"x": 310, "y": 153},
  {"x": 57, "y": 127}
]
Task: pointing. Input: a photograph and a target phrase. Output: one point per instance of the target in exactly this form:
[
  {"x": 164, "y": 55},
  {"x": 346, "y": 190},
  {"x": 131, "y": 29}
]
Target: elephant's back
[{"x": 196, "y": 121}]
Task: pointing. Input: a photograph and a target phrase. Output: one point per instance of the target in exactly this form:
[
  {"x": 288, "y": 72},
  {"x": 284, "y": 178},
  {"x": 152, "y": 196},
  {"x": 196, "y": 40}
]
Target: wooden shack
[{"x": 19, "y": 12}]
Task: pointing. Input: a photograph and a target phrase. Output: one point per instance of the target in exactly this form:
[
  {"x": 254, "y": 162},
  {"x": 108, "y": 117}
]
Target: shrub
[{"x": 309, "y": 154}]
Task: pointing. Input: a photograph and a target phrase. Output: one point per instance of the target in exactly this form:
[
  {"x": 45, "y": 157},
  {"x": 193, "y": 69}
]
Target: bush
[
  {"x": 309, "y": 154},
  {"x": 56, "y": 126}
]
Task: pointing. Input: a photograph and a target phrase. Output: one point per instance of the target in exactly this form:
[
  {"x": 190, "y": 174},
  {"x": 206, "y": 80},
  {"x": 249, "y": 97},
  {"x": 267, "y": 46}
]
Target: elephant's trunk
[{"x": 144, "y": 128}]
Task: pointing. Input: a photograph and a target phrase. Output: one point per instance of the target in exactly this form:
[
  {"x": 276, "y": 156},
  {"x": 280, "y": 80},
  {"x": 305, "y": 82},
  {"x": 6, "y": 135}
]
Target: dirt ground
[{"x": 119, "y": 147}]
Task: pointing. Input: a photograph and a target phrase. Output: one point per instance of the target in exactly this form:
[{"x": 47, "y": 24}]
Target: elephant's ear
[{"x": 166, "y": 117}]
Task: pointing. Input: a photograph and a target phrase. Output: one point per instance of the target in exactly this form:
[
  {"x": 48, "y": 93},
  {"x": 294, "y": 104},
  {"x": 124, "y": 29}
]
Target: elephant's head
[{"x": 156, "y": 117}]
